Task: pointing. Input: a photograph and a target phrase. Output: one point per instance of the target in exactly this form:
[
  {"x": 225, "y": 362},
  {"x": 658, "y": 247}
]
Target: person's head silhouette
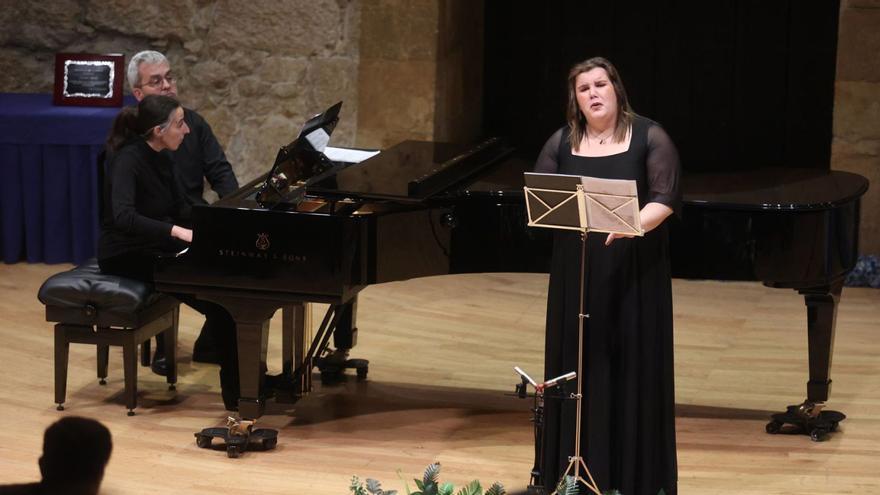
[{"x": 75, "y": 451}]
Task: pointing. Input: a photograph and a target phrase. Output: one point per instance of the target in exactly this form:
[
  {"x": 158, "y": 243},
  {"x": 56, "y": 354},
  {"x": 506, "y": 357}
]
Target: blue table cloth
[{"x": 48, "y": 178}]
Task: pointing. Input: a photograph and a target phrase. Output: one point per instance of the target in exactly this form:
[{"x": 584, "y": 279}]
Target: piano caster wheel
[
  {"x": 233, "y": 451},
  {"x": 60, "y": 407},
  {"x": 800, "y": 420},
  {"x": 172, "y": 387},
  {"x": 130, "y": 412},
  {"x": 203, "y": 441},
  {"x": 239, "y": 436},
  {"x": 102, "y": 382}
]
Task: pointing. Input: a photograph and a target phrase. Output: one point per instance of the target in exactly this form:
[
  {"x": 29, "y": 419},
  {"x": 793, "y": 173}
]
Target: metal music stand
[{"x": 584, "y": 204}]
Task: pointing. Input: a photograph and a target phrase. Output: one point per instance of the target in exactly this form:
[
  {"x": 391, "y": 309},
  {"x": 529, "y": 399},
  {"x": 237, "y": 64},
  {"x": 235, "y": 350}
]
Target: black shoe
[
  {"x": 159, "y": 366},
  {"x": 204, "y": 352}
]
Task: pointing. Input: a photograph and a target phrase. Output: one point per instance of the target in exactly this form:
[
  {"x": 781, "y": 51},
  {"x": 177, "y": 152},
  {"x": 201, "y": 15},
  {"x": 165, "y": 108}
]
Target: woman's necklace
[{"x": 600, "y": 137}]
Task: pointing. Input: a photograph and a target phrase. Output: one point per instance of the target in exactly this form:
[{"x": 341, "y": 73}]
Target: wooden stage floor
[{"x": 441, "y": 354}]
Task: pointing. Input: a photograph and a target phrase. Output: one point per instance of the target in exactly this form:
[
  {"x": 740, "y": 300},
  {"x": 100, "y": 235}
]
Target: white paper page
[{"x": 347, "y": 155}]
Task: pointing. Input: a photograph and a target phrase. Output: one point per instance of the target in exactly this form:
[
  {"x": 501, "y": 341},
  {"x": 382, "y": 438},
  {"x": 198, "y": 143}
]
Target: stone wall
[
  {"x": 420, "y": 72},
  {"x": 256, "y": 69},
  {"x": 856, "y": 144}
]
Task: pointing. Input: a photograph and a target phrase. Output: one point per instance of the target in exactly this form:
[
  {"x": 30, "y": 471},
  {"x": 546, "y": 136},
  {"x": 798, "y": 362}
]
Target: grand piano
[{"x": 312, "y": 230}]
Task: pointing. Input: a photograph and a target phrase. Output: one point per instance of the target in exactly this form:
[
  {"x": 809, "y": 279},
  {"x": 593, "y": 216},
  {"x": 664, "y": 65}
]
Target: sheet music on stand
[{"x": 588, "y": 204}]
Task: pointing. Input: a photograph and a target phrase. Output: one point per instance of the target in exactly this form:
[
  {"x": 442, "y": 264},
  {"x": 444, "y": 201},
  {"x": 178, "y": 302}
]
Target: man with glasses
[{"x": 199, "y": 158}]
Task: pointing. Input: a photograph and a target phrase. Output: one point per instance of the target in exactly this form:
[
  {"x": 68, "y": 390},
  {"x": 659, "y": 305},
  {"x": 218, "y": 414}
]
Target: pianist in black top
[
  {"x": 143, "y": 213},
  {"x": 627, "y": 422}
]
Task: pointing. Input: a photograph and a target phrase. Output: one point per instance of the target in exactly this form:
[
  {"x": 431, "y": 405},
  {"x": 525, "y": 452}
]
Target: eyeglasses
[{"x": 157, "y": 80}]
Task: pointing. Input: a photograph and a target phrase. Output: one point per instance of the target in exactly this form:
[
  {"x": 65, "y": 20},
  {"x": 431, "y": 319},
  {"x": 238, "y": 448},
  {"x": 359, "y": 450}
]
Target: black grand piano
[{"x": 313, "y": 230}]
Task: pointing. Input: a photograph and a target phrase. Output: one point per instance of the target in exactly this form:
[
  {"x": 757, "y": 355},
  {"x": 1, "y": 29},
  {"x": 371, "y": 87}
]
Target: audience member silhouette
[{"x": 75, "y": 451}]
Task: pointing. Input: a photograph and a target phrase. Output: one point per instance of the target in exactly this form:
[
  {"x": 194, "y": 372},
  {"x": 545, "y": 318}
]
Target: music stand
[{"x": 584, "y": 204}]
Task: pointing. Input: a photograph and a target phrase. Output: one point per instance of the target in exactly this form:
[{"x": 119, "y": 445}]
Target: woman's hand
[
  {"x": 612, "y": 237},
  {"x": 185, "y": 235},
  {"x": 651, "y": 215}
]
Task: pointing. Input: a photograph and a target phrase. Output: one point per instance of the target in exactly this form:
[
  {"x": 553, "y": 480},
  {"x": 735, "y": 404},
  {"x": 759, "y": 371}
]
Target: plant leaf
[
  {"x": 496, "y": 489},
  {"x": 356, "y": 487},
  {"x": 446, "y": 489},
  {"x": 374, "y": 487},
  {"x": 567, "y": 486},
  {"x": 472, "y": 488},
  {"x": 432, "y": 472}
]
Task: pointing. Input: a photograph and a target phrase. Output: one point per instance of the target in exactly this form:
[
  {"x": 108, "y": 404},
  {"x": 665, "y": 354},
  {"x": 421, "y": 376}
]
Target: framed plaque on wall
[{"x": 88, "y": 80}]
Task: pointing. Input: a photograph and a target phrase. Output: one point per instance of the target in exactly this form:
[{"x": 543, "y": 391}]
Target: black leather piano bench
[{"x": 90, "y": 307}]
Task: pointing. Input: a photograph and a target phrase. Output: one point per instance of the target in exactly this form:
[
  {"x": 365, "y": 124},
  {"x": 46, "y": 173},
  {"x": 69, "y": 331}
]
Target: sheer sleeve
[
  {"x": 663, "y": 169},
  {"x": 548, "y": 159}
]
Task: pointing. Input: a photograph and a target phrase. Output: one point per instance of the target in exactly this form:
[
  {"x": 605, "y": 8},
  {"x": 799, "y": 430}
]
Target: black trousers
[{"x": 218, "y": 321}]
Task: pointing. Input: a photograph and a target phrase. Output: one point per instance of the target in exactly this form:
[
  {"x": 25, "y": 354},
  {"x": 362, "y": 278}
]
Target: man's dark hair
[{"x": 75, "y": 450}]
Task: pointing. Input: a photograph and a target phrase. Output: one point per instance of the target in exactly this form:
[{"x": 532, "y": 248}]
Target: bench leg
[
  {"x": 129, "y": 363},
  {"x": 103, "y": 359},
  {"x": 171, "y": 349},
  {"x": 145, "y": 353},
  {"x": 62, "y": 350}
]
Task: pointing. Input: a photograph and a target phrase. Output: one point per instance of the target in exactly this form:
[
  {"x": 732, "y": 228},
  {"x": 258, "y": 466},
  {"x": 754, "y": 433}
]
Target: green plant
[
  {"x": 428, "y": 485},
  {"x": 568, "y": 486}
]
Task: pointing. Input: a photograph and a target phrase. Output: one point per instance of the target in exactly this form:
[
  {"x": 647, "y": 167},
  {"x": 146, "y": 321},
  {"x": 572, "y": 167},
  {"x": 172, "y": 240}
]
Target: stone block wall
[
  {"x": 420, "y": 72},
  {"x": 255, "y": 70},
  {"x": 856, "y": 143}
]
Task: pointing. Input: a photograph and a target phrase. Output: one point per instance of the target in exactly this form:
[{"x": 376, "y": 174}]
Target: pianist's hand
[{"x": 185, "y": 235}]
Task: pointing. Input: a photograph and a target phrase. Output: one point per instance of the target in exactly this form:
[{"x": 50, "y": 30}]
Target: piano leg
[
  {"x": 821, "y": 319},
  {"x": 345, "y": 336},
  {"x": 253, "y": 342},
  {"x": 808, "y": 417},
  {"x": 252, "y": 318}
]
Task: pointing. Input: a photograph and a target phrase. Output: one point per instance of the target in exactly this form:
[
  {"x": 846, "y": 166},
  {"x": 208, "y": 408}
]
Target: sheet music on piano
[
  {"x": 301, "y": 162},
  {"x": 348, "y": 155}
]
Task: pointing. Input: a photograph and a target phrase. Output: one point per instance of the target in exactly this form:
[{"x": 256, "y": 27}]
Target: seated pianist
[{"x": 144, "y": 211}]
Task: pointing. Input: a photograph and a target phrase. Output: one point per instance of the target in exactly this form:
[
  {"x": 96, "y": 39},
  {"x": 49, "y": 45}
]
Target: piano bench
[{"x": 90, "y": 307}]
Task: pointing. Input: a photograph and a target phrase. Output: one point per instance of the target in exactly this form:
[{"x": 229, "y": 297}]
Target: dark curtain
[{"x": 738, "y": 84}]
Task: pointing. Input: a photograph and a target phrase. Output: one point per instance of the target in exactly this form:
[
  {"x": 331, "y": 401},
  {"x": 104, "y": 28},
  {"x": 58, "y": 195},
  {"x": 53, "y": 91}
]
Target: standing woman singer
[{"x": 628, "y": 420}]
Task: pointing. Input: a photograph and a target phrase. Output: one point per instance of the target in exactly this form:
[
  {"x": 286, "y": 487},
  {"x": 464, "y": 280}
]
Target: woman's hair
[
  {"x": 577, "y": 122},
  {"x": 152, "y": 111}
]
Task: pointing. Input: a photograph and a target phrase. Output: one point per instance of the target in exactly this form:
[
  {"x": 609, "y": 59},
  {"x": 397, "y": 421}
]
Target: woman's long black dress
[{"x": 627, "y": 422}]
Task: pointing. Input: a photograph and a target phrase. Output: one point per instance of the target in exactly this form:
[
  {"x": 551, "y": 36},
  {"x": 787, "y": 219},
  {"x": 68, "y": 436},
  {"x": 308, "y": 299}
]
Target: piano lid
[
  {"x": 773, "y": 189},
  {"x": 411, "y": 171}
]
